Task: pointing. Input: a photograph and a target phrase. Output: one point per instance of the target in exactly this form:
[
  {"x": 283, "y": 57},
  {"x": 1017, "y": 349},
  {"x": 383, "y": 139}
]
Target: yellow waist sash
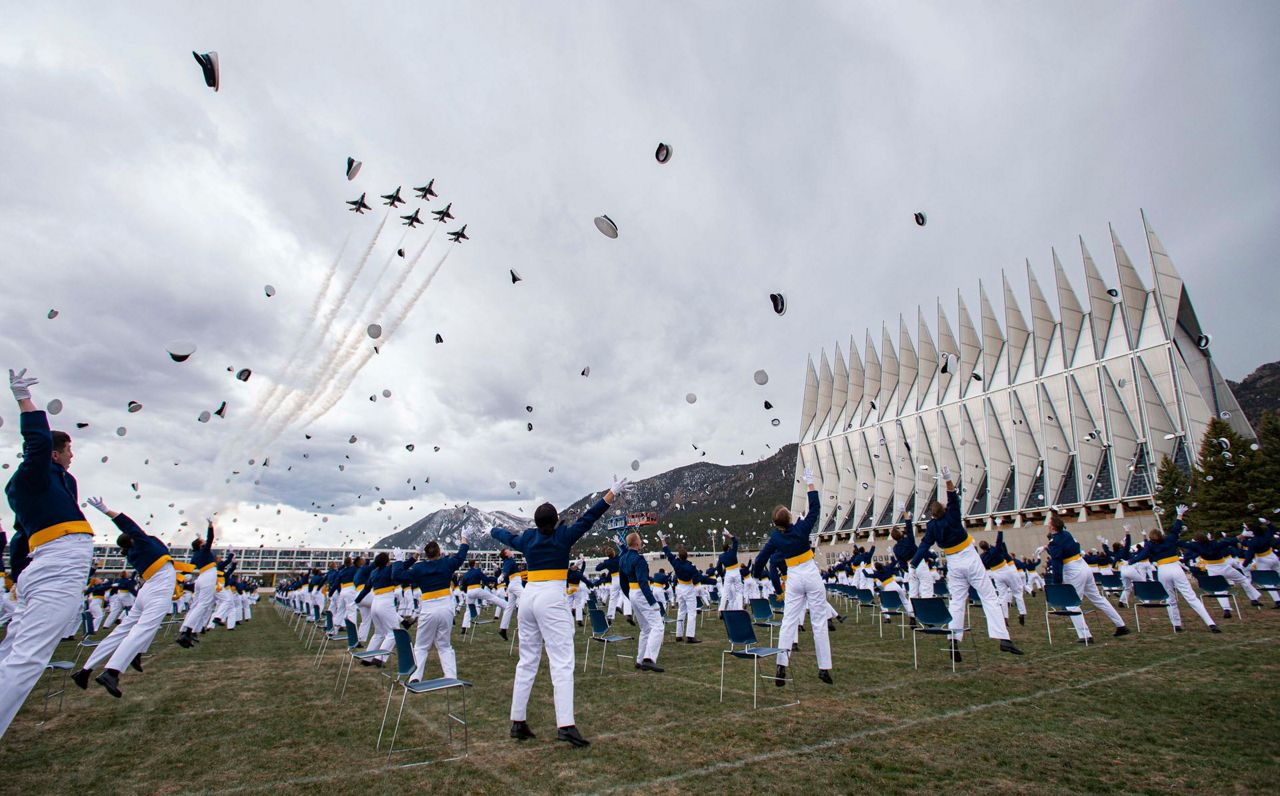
[
  {"x": 1068, "y": 560},
  {"x": 543, "y": 575},
  {"x": 800, "y": 559},
  {"x": 385, "y": 590},
  {"x": 432, "y": 595},
  {"x": 968, "y": 540},
  {"x": 46, "y": 535},
  {"x": 1169, "y": 560},
  {"x": 155, "y": 567}
]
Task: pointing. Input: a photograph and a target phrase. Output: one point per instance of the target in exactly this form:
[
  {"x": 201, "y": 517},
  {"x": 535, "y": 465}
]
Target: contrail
[
  {"x": 338, "y": 376},
  {"x": 335, "y": 395},
  {"x": 291, "y": 364},
  {"x": 235, "y": 449}
]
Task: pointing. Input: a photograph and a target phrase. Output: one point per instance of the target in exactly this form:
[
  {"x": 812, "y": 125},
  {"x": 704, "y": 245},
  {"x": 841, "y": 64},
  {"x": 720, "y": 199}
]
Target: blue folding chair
[
  {"x": 324, "y": 639},
  {"x": 1148, "y": 594},
  {"x": 475, "y": 622},
  {"x": 354, "y": 654},
  {"x": 405, "y": 667},
  {"x": 445, "y": 685},
  {"x": 941, "y": 589},
  {"x": 1216, "y": 586},
  {"x": 933, "y": 618},
  {"x": 601, "y": 635},
  {"x": 863, "y": 598},
  {"x": 762, "y": 616},
  {"x": 1110, "y": 585},
  {"x": 737, "y": 625},
  {"x": 1060, "y": 599},
  {"x": 891, "y": 605}
]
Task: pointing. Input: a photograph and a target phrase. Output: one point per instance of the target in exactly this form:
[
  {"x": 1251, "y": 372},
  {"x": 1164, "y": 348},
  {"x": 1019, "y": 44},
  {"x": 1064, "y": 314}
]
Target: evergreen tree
[
  {"x": 1172, "y": 487},
  {"x": 1219, "y": 493},
  {"x": 1263, "y": 469}
]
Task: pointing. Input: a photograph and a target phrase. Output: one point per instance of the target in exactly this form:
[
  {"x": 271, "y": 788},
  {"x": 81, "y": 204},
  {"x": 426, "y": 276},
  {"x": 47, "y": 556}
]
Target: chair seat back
[
  {"x": 760, "y": 610},
  {"x": 1214, "y": 584},
  {"x": 353, "y": 637},
  {"x": 405, "y": 664},
  {"x": 599, "y": 626},
  {"x": 1061, "y": 596},
  {"x": 1150, "y": 591},
  {"x": 737, "y": 624},
  {"x": 932, "y": 611},
  {"x": 891, "y": 600}
]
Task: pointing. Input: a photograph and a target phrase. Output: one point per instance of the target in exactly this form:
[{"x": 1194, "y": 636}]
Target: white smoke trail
[
  {"x": 237, "y": 448},
  {"x": 308, "y": 338},
  {"x": 296, "y": 393},
  {"x": 333, "y": 396},
  {"x": 336, "y": 377}
]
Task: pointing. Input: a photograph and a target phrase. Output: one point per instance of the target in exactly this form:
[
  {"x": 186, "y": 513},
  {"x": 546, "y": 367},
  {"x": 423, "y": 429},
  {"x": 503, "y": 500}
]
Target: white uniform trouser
[
  {"x": 1234, "y": 577},
  {"x": 731, "y": 598},
  {"x": 49, "y": 593},
  {"x": 385, "y": 621},
  {"x": 1009, "y": 582},
  {"x": 577, "y": 601},
  {"x": 1175, "y": 582},
  {"x": 115, "y": 607},
  {"x": 920, "y": 580},
  {"x": 514, "y": 588},
  {"x": 545, "y": 622},
  {"x": 7, "y": 604},
  {"x": 686, "y": 610},
  {"x": 136, "y": 631},
  {"x": 617, "y": 599},
  {"x": 659, "y": 594},
  {"x": 349, "y": 612},
  {"x": 478, "y": 596},
  {"x": 95, "y": 611},
  {"x": 892, "y": 585},
  {"x": 435, "y": 628},
  {"x": 1080, "y": 576},
  {"x": 965, "y": 569},
  {"x": 364, "y": 614},
  {"x": 651, "y": 627},
  {"x": 1034, "y": 580},
  {"x": 1131, "y": 574},
  {"x": 1268, "y": 562},
  {"x": 805, "y": 591}
]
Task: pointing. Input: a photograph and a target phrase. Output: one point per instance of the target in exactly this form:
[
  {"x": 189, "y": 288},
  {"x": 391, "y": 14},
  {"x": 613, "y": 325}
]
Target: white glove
[
  {"x": 902, "y": 507},
  {"x": 463, "y": 536},
  {"x": 946, "y": 473},
  {"x": 99, "y": 504},
  {"x": 808, "y": 476},
  {"x": 662, "y": 538},
  {"x": 1039, "y": 550},
  {"x": 21, "y": 383},
  {"x": 1182, "y": 509},
  {"x": 621, "y": 486},
  {"x": 1128, "y": 528},
  {"x": 727, "y": 534}
]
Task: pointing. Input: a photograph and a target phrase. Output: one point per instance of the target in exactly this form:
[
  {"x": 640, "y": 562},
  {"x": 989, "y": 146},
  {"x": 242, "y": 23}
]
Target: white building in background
[{"x": 1073, "y": 410}]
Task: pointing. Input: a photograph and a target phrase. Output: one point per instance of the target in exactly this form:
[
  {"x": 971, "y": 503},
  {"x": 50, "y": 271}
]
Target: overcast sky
[{"x": 146, "y": 208}]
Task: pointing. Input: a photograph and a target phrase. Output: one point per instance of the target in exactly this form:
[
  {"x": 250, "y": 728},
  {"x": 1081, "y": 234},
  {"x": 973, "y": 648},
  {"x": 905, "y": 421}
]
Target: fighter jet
[
  {"x": 393, "y": 198},
  {"x": 358, "y": 206},
  {"x": 426, "y": 191},
  {"x": 443, "y": 215},
  {"x": 459, "y": 235},
  {"x": 412, "y": 220}
]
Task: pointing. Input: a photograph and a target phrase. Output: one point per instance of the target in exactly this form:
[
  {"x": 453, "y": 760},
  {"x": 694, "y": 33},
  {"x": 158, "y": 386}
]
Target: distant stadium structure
[{"x": 1073, "y": 411}]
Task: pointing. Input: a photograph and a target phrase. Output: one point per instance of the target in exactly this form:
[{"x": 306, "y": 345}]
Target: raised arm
[
  {"x": 508, "y": 538},
  {"x": 805, "y": 527},
  {"x": 762, "y": 558},
  {"x": 37, "y": 450},
  {"x": 460, "y": 558},
  {"x": 208, "y": 539}
]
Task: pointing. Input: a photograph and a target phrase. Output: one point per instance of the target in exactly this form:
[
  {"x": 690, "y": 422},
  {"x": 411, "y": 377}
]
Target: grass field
[{"x": 245, "y": 712}]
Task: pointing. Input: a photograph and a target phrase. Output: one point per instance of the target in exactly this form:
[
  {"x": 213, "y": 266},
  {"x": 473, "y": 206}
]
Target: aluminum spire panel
[
  {"x": 1069, "y": 309},
  {"x": 1042, "y": 323}
]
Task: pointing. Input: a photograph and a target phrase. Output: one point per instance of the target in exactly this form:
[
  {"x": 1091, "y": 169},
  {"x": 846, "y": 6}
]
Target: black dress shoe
[
  {"x": 136, "y": 663},
  {"x": 1122, "y": 631},
  {"x": 1084, "y": 641},
  {"x": 955, "y": 652},
  {"x": 804, "y": 629},
  {"x": 1007, "y": 646},
  {"x": 692, "y": 640},
  {"x": 1214, "y": 629},
  {"x": 111, "y": 681},
  {"x": 831, "y": 626},
  {"x": 81, "y": 678},
  {"x": 1226, "y": 614},
  {"x": 631, "y": 621},
  {"x": 650, "y": 666},
  {"x": 795, "y": 647},
  {"x": 638, "y": 666},
  {"x": 502, "y": 632},
  {"x": 184, "y": 641},
  {"x": 825, "y": 676},
  {"x": 580, "y": 623},
  {"x": 366, "y": 663},
  {"x": 520, "y": 730},
  {"x": 1177, "y": 628},
  {"x": 1022, "y": 619},
  {"x": 571, "y": 735},
  {"x": 780, "y": 676}
]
